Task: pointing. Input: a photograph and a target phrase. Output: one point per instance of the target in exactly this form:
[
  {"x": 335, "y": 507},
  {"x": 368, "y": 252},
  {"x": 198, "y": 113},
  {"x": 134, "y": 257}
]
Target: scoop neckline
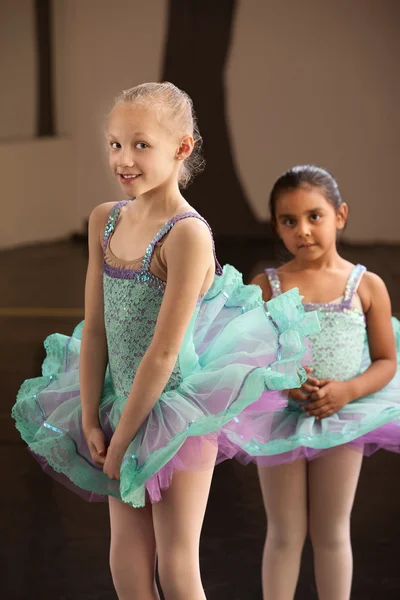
[{"x": 140, "y": 258}]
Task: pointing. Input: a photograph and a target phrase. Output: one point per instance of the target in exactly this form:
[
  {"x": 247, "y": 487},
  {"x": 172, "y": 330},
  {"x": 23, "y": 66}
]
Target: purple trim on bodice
[
  {"x": 135, "y": 275},
  {"x": 350, "y": 290},
  {"x": 122, "y": 273}
]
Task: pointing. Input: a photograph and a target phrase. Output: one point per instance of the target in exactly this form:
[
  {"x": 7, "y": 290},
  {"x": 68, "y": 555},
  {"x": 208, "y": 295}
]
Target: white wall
[
  {"x": 317, "y": 81},
  {"x": 37, "y": 191},
  {"x": 103, "y": 48},
  {"x": 312, "y": 81},
  {"x": 17, "y": 70}
]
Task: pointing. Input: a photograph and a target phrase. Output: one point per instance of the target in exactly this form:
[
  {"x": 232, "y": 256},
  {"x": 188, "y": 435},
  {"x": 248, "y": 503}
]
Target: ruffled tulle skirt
[
  {"x": 269, "y": 437},
  {"x": 236, "y": 350}
]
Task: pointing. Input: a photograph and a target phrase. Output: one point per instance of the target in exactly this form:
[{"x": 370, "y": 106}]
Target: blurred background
[{"x": 274, "y": 84}]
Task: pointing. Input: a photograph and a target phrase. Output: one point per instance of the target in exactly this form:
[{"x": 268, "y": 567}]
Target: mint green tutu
[
  {"x": 236, "y": 349},
  {"x": 340, "y": 351}
]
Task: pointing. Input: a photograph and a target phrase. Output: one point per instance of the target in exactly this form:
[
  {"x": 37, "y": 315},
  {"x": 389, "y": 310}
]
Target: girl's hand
[
  {"x": 96, "y": 442},
  {"x": 330, "y": 398},
  {"x": 303, "y": 393},
  {"x": 112, "y": 464}
]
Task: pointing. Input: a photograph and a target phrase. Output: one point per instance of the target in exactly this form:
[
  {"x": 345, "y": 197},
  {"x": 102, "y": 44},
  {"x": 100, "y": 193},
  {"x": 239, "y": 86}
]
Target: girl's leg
[
  {"x": 178, "y": 519},
  {"x": 333, "y": 481},
  {"x": 284, "y": 490},
  {"x": 132, "y": 551}
]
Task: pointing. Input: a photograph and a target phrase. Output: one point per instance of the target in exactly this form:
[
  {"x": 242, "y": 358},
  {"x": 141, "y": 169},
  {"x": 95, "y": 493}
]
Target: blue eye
[{"x": 115, "y": 145}]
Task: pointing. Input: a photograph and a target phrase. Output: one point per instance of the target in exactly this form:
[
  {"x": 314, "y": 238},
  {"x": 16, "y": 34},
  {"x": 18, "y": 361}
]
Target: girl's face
[
  {"x": 307, "y": 222},
  {"x": 143, "y": 154}
]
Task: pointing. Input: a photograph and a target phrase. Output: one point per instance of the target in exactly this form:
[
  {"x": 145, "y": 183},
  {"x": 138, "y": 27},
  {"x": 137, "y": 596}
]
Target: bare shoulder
[
  {"x": 101, "y": 212},
  {"x": 372, "y": 290},
  {"x": 373, "y": 283},
  {"x": 263, "y": 282},
  {"x": 190, "y": 232},
  {"x": 98, "y": 219}
]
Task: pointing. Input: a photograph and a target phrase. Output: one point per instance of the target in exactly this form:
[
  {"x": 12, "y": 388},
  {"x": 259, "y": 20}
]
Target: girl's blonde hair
[{"x": 176, "y": 107}]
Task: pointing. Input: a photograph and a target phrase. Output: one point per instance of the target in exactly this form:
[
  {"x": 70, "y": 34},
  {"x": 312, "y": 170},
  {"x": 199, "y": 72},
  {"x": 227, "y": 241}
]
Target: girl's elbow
[
  {"x": 167, "y": 355},
  {"x": 393, "y": 366}
]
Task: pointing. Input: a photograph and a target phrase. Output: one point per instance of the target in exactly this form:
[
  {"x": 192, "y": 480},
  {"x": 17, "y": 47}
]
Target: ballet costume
[
  {"x": 236, "y": 349},
  {"x": 339, "y": 352}
]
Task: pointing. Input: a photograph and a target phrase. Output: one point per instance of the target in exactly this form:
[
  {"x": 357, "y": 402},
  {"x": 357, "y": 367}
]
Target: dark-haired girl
[{"x": 349, "y": 406}]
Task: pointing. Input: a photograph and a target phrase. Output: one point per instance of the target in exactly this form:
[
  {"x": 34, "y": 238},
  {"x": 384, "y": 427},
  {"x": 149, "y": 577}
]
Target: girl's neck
[
  {"x": 329, "y": 260},
  {"x": 160, "y": 203}
]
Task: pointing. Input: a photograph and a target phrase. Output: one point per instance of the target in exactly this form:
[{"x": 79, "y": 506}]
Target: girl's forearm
[
  {"x": 376, "y": 377},
  {"x": 151, "y": 378},
  {"x": 93, "y": 363}
]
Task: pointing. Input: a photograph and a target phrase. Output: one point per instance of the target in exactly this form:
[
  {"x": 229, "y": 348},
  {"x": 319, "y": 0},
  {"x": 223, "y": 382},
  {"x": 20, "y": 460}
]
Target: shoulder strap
[
  {"x": 165, "y": 229},
  {"x": 112, "y": 221},
  {"x": 353, "y": 283},
  {"x": 274, "y": 282}
]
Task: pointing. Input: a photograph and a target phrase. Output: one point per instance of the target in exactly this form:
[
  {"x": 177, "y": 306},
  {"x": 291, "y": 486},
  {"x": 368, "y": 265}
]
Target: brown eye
[{"x": 115, "y": 145}]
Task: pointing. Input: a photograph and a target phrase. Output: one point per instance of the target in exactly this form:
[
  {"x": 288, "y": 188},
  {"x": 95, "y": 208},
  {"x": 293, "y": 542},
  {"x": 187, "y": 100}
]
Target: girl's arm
[
  {"x": 93, "y": 356},
  {"x": 189, "y": 257},
  {"x": 382, "y": 347}
]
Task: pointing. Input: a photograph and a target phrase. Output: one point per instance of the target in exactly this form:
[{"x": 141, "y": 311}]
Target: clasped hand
[
  {"x": 110, "y": 458},
  {"x": 321, "y": 397}
]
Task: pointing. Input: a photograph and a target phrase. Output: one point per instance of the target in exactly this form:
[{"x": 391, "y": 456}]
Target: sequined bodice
[
  {"x": 132, "y": 301},
  {"x": 337, "y": 350}
]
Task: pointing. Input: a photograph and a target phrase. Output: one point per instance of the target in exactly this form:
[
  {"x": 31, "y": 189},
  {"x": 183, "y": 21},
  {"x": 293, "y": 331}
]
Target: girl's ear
[
  {"x": 185, "y": 148},
  {"x": 341, "y": 216}
]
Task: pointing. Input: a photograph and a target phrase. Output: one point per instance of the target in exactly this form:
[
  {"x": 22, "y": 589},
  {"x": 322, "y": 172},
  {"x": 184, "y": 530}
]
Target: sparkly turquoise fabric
[
  {"x": 130, "y": 314},
  {"x": 337, "y": 349}
]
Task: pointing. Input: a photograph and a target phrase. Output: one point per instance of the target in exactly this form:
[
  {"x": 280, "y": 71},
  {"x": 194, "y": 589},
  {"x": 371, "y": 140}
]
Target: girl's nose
[
  {"x": 303, "y": 229},
  {"x": 126, "y": 159}
]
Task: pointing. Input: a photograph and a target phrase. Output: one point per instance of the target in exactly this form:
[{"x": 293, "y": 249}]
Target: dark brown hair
[{"x": 305, "y": 175}]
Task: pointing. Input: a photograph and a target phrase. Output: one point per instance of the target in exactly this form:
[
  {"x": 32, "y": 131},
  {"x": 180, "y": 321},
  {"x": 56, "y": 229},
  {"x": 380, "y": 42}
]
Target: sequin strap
[
  {"x": 274, "y": 282},
  {"x": 112, "y": 221},
  {"x": 352, "y": 284},
  {"x": 165, "y": 229}
]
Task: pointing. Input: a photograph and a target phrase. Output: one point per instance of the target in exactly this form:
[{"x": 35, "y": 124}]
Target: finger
[
  {"x": 306, "y": 387},
  {"x": 311, "y": 407},
  {"x": 319, "y": 395},
  {"x": 313, "y": 381},
  {"x": 112, "y": 475},
  {"x": 308, "y": 369},
  {"x": 98, "y": 460},
  {"x": 298, "y": 396},
  {"x": 99, "y": 444},
  {"x": 96, "y": 457},
  {"x": 323, "y": 382}
]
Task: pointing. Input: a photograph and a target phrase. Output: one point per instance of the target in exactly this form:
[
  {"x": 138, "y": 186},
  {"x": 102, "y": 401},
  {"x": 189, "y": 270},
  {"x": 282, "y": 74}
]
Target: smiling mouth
[{"x": 128, "y": 177}]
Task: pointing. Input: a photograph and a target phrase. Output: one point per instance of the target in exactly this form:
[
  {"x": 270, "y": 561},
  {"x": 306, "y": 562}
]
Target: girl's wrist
[
  {"x": 118, "y": 445},
  {"x": 90, "y": 420},
  {"x": 352, "y": 391}
]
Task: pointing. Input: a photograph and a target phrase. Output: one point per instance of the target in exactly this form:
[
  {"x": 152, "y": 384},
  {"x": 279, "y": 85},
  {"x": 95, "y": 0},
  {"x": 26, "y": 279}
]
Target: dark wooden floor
[{"x": 55, "y": 546}]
